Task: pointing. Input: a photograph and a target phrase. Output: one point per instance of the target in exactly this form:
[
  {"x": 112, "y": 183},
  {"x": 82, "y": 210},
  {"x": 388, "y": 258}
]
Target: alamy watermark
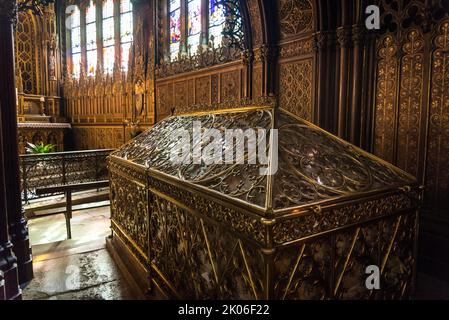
[
  {"x": 232, "y": 146},
  {"x": 372, "y": 282},
  {"x": 372, "y": 21}
]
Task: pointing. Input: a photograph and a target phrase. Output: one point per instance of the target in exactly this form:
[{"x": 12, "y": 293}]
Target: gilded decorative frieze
[
  {"x": 327, "y": 220},
  {"x": 296, "y": 48},
  {"x": 204, "y": 58}
]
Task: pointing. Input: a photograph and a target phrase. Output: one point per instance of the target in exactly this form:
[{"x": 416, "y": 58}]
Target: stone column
[
  {"x": 9, "y": 281},
  {"x": 17, "y": 226}
]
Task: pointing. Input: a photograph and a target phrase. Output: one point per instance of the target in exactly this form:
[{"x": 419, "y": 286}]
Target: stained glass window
[
  {"x": 91, "y": 39},
  {"x": 223, "y": 27},
  {"x": 194, "y": 24},
  {"x": 225, "y": 23},
  {"x": 75, "y": 35},
  {"x": 217, "y": 19},
  {"x": 108, "y": 36},
  {"x": 126, "y": 31},
  {"x": 174, "y": 8}
]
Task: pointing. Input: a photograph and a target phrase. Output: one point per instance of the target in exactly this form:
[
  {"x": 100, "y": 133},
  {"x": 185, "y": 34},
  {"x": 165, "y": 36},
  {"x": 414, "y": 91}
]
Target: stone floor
[
  {"x": 75, "y": 269},
  {"x": 87, "y": 225}
]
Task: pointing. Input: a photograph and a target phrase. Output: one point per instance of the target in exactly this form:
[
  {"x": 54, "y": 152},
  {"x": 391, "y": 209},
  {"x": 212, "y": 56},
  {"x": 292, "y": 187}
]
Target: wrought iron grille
[{"x": 60, "y": 168}]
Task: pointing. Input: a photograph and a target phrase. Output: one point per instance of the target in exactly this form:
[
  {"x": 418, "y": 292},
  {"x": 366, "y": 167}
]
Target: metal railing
[{"x": 59, "y": 169}]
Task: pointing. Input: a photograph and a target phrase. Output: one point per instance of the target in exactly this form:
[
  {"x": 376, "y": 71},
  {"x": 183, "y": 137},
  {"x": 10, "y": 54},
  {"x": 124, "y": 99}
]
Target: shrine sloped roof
[{"x": 312, "y": 166}]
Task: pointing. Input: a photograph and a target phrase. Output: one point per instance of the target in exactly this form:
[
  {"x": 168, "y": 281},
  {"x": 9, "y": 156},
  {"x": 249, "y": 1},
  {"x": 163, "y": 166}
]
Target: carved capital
[
  {"x": 358, "y": 34},
  {"x": 247, "y": 57},
  {"x": 320, "y": 41},
  {"x": 344, "y": 37},
  {"x": 267, "y": 53},
  {"x": 8, "y": 11}
]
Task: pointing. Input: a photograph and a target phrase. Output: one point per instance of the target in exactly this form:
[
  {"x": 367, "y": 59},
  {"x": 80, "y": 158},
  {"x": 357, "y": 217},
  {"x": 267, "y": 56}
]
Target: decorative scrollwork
[{"x": 204, "y": 58}]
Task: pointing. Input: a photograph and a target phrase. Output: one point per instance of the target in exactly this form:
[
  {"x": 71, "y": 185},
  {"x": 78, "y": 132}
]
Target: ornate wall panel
[
  {"x": 47, "y": 134},
  {"x": 202, "y": 90},
  {"x": 100, "y": 137},
  {"x": 229, "y": 86},
  {"x": 386, "y": 98},
  {"x": 437, "y": 181},
  {"x": 410, "y": 99},
  {"x": 296, "y": 62},
  {"x": 411, "y": 127},
  {"x": 296, "y": 87},
  {"x": 199, "y": 90},
  {"x": 295, "y": 17},
  {"x": 181, "y": 94}
]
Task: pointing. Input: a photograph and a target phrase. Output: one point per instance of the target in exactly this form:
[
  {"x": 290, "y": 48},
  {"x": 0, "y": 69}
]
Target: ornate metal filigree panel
[
  {"x": 129, "y": 203},
  {"x": 333, "y": 266},
  {"x": 200, "y": 259},
  {"x": 61, "y": 168},
  {"x": 302, "y": 272}
]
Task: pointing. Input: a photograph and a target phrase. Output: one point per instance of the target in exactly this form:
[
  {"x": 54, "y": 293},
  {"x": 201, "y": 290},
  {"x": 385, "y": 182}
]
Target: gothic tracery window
[
  {"x": 114, "y": 24},
  {"x": 207, "y": 23}
]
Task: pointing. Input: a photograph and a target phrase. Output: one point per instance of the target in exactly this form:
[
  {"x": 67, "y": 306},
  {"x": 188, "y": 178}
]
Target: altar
[{"x": 309, "y": 229}]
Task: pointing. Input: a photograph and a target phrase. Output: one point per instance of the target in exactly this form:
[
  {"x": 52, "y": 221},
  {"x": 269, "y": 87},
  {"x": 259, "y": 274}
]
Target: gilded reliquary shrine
[
  {"x": 224, "y": 149},
  {"x": 308, "y": 231}
]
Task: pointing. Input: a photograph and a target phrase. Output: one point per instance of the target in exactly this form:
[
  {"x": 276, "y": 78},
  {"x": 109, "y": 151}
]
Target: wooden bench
[{"x": 67, "y": 190}]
